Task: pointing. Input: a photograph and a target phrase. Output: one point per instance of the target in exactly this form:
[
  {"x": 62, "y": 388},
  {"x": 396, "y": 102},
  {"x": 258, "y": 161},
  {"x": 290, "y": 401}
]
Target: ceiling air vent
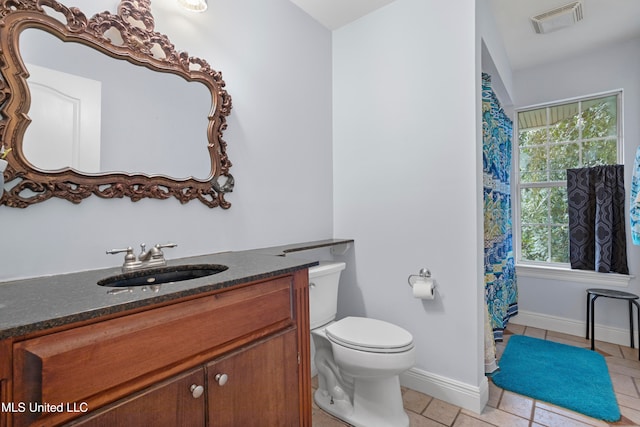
[{"x": 558, "y": 18}]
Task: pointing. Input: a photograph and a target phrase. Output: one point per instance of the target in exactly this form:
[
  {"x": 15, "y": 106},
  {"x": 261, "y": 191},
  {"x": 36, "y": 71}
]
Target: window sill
[{"x": 568, "y": 275}]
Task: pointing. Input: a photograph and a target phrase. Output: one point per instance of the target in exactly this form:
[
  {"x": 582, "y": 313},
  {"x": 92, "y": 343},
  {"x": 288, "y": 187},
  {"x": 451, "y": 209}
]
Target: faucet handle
[
  {"x": 129, "y": 258},
  {"x": 156, "y": 251},
  {"x": 128, "y": 250},
  {"x": 166, "y": 245}
]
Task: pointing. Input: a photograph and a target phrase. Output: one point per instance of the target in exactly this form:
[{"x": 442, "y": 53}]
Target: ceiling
[
  {"x": 333, "y": 14},
  {"x": 605, "y": 22}
]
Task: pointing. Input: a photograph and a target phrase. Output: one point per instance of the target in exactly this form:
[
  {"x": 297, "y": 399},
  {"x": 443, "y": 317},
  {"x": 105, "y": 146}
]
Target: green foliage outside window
[{"x": 551, "y": 140}]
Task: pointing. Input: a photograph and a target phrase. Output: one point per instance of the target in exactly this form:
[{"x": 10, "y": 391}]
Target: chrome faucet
[{"x": 147, "y": 258}]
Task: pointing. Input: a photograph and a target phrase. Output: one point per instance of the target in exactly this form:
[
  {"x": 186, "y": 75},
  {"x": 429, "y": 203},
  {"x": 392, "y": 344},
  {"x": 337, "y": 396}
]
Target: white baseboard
[
  {"x": 573, "y": 327},
  {"x": 446, "y": 389}
]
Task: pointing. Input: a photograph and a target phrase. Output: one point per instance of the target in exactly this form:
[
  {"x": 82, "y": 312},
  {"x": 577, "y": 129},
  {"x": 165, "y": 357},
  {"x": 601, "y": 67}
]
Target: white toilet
[{"x": 358, "y": 360}]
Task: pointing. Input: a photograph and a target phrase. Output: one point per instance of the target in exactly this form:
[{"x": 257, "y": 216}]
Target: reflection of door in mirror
[
  {"x": 151, "y": 123},
  {"x": 66, "y": 110}
]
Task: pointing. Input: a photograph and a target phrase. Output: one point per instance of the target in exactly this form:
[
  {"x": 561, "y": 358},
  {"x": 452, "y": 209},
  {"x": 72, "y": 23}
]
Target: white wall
[
  {"x": 601, "y": 70},
  {"x": 407, "y": 176},
  {"x": 495, "y": 61},
  {"x": 276, "y": 62}
]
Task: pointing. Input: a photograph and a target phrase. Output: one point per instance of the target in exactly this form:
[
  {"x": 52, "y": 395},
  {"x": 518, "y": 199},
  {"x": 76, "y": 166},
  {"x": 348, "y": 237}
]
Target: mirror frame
[{"x": 27, "y": 184}]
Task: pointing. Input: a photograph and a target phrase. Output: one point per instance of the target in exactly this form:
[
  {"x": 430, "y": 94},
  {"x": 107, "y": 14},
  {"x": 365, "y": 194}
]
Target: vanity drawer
[{"x": 104, "y": 361}]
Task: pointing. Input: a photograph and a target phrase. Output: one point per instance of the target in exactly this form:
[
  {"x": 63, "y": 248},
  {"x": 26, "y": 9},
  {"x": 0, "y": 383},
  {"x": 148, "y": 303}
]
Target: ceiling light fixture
[
  {"x": 558, "y": 18},
  {"x": 194, "y": 5}
]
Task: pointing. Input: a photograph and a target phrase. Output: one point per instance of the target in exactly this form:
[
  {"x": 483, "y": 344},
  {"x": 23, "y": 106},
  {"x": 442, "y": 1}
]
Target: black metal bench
[{"x": 594, "y": 294}]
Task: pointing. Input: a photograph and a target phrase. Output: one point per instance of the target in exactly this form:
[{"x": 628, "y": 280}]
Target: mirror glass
[{"x": 96, "y": 114}]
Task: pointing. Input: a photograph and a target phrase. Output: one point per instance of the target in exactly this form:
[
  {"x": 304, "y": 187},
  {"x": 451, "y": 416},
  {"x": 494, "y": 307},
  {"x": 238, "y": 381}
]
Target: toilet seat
[{"x": 370, "y": 335}]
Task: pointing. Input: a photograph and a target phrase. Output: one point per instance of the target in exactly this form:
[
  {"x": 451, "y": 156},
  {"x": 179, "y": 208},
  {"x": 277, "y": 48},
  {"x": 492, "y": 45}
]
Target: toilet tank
[{"x": 323, "y": 292}]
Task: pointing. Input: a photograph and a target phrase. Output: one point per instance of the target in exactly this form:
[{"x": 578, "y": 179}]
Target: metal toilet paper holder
[{"x": 424, "y": 273}]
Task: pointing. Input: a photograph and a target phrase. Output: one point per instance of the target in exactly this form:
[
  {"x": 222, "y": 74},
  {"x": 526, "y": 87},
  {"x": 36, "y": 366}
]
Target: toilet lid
[{"x": 371, "y": 335}]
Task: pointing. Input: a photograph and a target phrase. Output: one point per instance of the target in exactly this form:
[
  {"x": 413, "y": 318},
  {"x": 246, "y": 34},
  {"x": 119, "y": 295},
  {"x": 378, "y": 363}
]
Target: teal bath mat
[{"x": 571, "y": 377}]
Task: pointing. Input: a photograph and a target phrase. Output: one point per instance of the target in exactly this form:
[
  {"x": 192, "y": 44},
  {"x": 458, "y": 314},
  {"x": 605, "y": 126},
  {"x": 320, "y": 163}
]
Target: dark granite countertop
[
  {"x": 343, "y": 244},
  {"x": 37, "y": 304}
]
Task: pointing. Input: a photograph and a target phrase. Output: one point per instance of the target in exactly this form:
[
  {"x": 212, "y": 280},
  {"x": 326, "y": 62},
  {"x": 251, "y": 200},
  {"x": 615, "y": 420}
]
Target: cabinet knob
[
  {"x": 221, "y": 379},
  {"x": 196, "y": 390}
]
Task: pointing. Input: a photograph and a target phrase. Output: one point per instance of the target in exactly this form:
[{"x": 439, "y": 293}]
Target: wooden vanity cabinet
[
  {"x": 145, "y": 368},
  {"x": 252, "y": 387},
  {"x": 249, "y": 387},
  {"x": 171, "y": 403}
]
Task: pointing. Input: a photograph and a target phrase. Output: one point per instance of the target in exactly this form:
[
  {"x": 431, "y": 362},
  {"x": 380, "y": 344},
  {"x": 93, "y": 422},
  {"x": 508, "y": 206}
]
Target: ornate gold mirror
[{"x": 74, "y": 122}]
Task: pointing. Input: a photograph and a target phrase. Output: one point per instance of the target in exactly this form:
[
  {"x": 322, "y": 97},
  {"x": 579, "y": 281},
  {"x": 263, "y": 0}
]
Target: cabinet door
[
  {"x": 261, "y": 387},
  {"x": 171, "y": 403}
]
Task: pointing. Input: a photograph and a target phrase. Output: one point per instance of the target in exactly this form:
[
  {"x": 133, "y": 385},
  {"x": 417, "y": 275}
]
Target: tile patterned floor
[{"x": 506, "y": 409}]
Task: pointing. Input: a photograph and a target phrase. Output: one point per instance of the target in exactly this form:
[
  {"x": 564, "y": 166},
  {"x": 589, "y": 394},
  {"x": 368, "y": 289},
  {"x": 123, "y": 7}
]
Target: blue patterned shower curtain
[{"x": 501, "y": 290}]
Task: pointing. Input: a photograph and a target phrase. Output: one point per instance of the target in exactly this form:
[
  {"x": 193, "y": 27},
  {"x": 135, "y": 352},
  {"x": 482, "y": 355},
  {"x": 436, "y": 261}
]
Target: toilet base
[{"x": 377, "y": 403}]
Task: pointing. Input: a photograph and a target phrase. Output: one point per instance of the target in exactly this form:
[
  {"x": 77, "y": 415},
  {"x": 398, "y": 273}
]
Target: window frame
[{"x": 557, "y": 270}]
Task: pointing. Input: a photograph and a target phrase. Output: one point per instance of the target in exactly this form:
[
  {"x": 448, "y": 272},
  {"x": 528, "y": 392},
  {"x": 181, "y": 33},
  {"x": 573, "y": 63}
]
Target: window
[{"x": 550, "y": 139}]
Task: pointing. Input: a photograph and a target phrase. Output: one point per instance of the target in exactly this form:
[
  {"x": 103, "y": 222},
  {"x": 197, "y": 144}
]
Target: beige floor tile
[
  {"x": 624, "y": 384},
  {"x": 576, "y": 342},
  {"x": 579, "y": 341},
  {"x": 322, "y": 419},
  {"x": 628, "y": 401},
  {"x": 565, "y": 341},
  {"x": 498, "y": 417},
  {"x": 633, "y": 415},
  {"x": 516, "y": 404},
  {"x": 416, "y": 420},
  {"x": 630, "y": 363},
  {"x": 608, "y": 348},
  {"x": 415, "y": 401},
  {"x": 551, "y": 419},
  {"x": 442, "y": 412},
  {"x": 465, "y": 420},
  {"x": 515, "y": 328},
  {"x": 571, "y": 414},
  {"x": 495, "y": 393},
  {"x": 630, "y": 353},
  {"x": 535, "y": 332},
  {"x": 623, "y": 367}
]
